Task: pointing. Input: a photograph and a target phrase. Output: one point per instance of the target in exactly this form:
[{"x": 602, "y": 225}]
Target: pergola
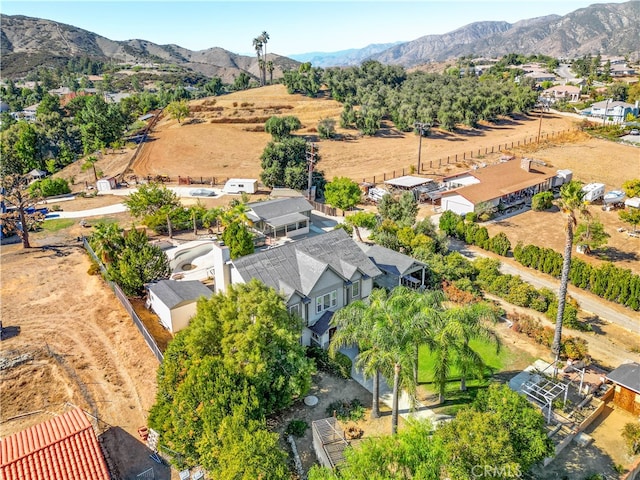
[
  {"x": 328, "y": 441},
  {"x": 544, "y": 392}
]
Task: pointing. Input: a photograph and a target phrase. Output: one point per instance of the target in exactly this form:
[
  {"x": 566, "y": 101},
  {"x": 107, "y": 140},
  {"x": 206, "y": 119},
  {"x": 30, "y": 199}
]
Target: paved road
[
  {"x": 564, "y": 71},
  {"x": 629, "y": 321}
]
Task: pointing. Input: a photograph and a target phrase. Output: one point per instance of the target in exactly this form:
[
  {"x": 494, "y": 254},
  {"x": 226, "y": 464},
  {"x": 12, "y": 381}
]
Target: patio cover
[
  {"x": 286, "y": 219},
  {"x": 408, "y": 181}
]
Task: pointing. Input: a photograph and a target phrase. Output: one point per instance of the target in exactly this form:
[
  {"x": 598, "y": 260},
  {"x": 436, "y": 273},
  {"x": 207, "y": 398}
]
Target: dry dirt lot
[
  {"x": 233, "y": 147},
  {"x": 83, "y": 348}
]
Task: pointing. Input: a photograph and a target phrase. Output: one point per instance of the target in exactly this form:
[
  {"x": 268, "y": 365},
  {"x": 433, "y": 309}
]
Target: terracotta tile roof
[
  {"x": 502, "y": 179},
  {"x": 63, "y": 448}
]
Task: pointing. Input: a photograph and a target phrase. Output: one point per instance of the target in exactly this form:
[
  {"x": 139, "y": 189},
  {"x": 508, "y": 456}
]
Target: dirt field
[
  {"x": 207, "y": 149},
  {"x": 82, "y": 347}
]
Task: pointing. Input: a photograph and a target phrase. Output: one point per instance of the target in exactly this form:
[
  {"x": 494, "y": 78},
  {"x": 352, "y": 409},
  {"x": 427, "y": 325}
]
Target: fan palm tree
[
  {"x": 106, "y": 241},
  {"x": 213, "y": 215},
  {"x": 90, "y": 164},
  {"x": 270, "y": 67},
  {"x": 257, "y": 45},
  {"x": 264, "y": 37},
  {"x": 572, "y": 204}
]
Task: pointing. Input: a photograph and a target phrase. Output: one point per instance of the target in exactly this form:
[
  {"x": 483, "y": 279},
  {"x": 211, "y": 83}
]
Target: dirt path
[{"x": 85, "y": 349}]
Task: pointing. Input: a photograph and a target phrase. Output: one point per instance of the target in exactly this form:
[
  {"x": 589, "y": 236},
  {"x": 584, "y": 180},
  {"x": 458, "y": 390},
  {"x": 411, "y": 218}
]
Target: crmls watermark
[{"x": 496, "y": 471}]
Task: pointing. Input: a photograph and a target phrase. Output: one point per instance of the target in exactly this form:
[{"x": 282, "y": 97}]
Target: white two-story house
[{"x": 317, "y": 276}]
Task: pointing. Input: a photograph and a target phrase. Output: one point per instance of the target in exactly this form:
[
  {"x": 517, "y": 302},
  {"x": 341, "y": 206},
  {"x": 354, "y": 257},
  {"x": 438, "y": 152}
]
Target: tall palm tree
[
  {"x": 571, "y": 204},
  {"x": 257, "y": 45},
  {"x": 472, "y": 320},
  {"x": 355, "y": 325},
  {"x": 265, "y": 39},
  {"x": 270, "y": 67},
  {"x": 213, "y": 215}
]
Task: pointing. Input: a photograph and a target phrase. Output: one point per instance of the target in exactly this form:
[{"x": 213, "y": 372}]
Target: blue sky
[{"x": 293, "y": 26}]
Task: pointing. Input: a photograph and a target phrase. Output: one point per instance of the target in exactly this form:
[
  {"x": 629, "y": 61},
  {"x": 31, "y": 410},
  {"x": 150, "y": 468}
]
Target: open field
[{"x": 233, "y": 148}]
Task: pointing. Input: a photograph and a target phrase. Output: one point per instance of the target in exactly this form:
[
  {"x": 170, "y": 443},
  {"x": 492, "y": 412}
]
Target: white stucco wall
[
  {"x": 181, "y": 315},
  {"x": 457, "y": 204}
]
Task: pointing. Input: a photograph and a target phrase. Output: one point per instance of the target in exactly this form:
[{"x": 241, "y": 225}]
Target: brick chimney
[{"x": 525, "y": 164}]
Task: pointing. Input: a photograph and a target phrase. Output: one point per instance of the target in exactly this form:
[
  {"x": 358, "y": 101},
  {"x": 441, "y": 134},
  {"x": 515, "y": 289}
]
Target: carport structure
[{"x": 544, "y": 391}]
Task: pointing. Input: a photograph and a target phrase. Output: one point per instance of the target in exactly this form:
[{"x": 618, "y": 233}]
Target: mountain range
[{"x": 614, "y": 28}]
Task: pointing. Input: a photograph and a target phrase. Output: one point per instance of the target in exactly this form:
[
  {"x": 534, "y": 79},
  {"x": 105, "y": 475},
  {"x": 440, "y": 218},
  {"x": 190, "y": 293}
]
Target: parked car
[
  {"x": 202, "y": 192},
  {"x": 635, "y": 131}
]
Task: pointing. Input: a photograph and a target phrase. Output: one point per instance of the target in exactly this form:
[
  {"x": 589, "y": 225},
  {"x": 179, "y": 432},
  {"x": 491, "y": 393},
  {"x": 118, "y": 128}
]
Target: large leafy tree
[
  {"x": 239, "y": 359},
  {"x": 138, "y": 263},
  {"x": 100, "y": 123},
  {"x": 632, "y": 188},
  {"x": 572, "y": 204},
  {"x": 178, "y": 110},
  {"x": 342, "y": 193},
  {"x": 402, "y": 210},
  {"x": 154, "y": 203},
  {"x": 500, "y": 436},
  {"x": 281, "y": 127},
  {"x": 284, "y": 164},
  {"x": 361, "y": 220},
  {"x": 15, "y": 193}
]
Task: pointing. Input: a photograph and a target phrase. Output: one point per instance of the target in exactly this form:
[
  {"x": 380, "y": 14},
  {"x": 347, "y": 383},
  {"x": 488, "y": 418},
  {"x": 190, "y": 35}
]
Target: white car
[
  {"x": 635, "y": 131},
  {"x": 202, "y": 192}
]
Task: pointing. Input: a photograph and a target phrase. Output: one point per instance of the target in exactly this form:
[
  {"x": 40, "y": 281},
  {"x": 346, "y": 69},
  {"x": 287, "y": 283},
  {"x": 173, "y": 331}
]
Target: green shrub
[
  {"x": 542, "y": 201},
  {"x": 340, "y": 365},
  {"x": 346, "y": 410},
  {"x": 631, "y": 435},
  {"x": 296, "y": 428},
  {"x": 49, "y": 187}
]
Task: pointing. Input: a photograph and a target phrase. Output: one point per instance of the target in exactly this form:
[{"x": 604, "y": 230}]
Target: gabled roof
[
  {"x": 322, "y": 325},
  {"x": 608, "y": 104},
  {"x": 173, "y": 293},
  {"x": 388, "y": 260},
  {"x": 278, "y": 207},
  {"x": 63, "y": 448},
  {"x": 502, "y": 179},
  {"x": 297, "y": 266},
  {"x": 627, "y": 375}
]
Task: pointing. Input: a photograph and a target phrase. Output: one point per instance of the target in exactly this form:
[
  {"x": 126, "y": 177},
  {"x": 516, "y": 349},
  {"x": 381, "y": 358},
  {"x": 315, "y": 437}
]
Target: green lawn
[
  {"x": 56, "y": 224},
  {"x": 455, "y": 399}
]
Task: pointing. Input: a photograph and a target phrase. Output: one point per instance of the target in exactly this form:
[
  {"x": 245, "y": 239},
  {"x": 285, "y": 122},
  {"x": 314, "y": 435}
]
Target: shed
[
  {"x": 240, "y": 185},
  {"x": 106, "y": 184},
  {"x": 397, "y": 268},
  {"x": 626, "y": 380},
  {"x": 37, "y": 174},
  {"x": 175, "y": 302}
]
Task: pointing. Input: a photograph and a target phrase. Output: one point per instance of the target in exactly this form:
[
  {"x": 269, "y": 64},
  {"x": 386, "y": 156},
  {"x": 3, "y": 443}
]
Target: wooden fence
[
  {"x": 148, "y": 338},
  {"x": 428, "y": 166}
]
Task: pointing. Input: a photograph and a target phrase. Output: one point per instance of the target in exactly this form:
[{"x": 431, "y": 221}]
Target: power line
[{"x": 311, "y": 157}]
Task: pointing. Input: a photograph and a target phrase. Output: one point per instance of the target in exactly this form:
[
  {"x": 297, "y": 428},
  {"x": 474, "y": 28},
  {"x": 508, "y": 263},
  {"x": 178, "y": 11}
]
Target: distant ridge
[{"x": 609, "y": 28}]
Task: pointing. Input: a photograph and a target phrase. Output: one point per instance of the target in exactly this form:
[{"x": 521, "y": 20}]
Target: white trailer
[
  {"x": 593, "y": 191},
  {"x": 240, "y": 185},
  {"x": 562, "y": 177}
]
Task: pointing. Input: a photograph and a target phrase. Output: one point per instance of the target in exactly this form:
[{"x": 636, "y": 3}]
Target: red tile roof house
[
  {"x": 63, "y": 448},
  {"x": 508, "y": 183}
]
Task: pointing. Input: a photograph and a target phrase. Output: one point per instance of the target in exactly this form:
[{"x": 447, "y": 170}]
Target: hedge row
[
  {"x": 612, "y": 283},
  {"x": 340, "y": 365},
  {"x": 518, "y": 292},
  {"x": 465, "y": 229}
]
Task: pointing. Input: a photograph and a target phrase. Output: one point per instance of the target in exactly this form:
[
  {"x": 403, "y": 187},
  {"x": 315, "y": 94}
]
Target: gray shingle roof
[
  {"x": 388, "y": 260},
  {"x": 172, "y": 293},
  {"x": 627, "y": 375},
  {"x": 322, "y": 325},
  {"x": 298, "y": 266},
  {"x": 278, "y": 207}
]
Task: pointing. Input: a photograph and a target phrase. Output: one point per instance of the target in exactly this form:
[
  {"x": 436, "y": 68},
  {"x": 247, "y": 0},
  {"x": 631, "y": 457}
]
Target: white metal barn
[{"x": 175, "y": 302}]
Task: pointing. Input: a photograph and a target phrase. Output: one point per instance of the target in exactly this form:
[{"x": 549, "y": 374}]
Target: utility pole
[
  {"x": 541, "y": 106},
  {"x": 604, "y": 117},
  {"x": 422, "y": 127},
  {"x": 311, "y": 160}
]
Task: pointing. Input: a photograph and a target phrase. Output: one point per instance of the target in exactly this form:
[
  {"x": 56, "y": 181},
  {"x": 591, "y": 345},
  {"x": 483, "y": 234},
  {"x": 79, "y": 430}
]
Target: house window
[
  {"x": 326, "y": 301},
  {"x": 355, "y": 289},
  {"x": 295, "y": 309}
]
